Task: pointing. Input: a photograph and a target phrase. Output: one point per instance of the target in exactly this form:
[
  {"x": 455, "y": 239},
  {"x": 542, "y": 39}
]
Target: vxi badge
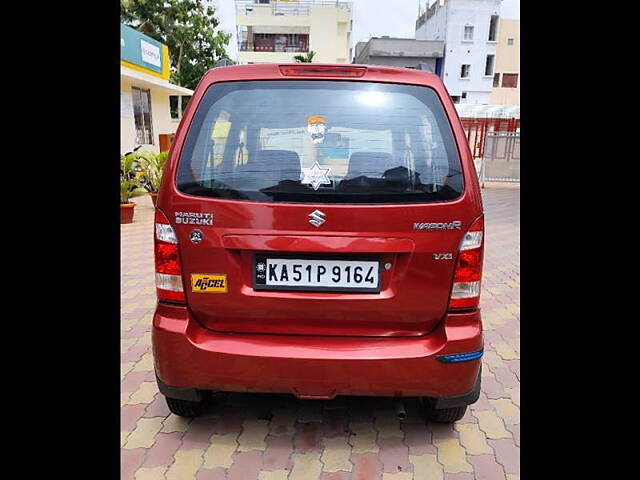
[{"x": 454, "y": 225}]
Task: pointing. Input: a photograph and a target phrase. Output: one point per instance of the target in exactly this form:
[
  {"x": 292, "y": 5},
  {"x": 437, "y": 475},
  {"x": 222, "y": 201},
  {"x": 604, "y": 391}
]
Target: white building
[
  {"x": 274, "y": 31},
  {"x": 469, "y": 29}
]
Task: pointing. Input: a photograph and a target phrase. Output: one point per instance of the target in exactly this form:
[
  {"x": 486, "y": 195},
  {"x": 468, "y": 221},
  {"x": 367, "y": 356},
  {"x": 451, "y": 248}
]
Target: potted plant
[
  {"x": 128, "y": 183},
  {"x": 153, "y": 165}
]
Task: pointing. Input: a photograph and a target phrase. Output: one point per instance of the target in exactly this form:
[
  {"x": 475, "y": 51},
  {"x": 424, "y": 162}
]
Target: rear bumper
[{"x": 189, "y": 359}]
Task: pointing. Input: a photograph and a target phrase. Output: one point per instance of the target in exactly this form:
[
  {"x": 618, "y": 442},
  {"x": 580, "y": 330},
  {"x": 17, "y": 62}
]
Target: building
[
  {"x": 401, "y": 52},
  {"x": 146, "y": 94},
  {"x": 276, "y": 31},
  {"x": 469, "y": 29},
  {"x": 506, "y": 79}
]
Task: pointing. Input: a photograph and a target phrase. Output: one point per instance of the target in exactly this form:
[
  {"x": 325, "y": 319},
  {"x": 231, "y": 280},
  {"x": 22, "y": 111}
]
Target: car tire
[
  {"x": 442, "y": 415},
  {"x": 184, "y": 408},
  {"x": 447, "y": 415}
]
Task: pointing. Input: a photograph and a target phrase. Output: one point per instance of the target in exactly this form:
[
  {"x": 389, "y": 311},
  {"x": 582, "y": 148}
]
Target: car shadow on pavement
[{"x": 310, "y": 421}]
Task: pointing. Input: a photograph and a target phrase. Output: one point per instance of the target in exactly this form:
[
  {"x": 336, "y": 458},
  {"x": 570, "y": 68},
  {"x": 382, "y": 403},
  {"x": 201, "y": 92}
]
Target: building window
[
  {"x": 496, "y": 80},
  {"x": 464, "y": 71},
  {"x": 464, "y": 95},
  {"x": 510, "y": 42},
  {"x": 488, "y": 66},
  {"x": 142, "y": 115},
  {"x": 455, "y": 98},
  {"x": 177, "y": 109},
  {"x": 509, "y": 80},
  {"x": 468, "y": 32},
  {"x": 493, "y": 28}
]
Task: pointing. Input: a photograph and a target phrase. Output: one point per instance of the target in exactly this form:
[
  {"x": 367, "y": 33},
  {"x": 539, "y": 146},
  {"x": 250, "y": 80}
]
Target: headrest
[
  {"x": 369, "y": 164},
  {"x": 277, "y": 160}
]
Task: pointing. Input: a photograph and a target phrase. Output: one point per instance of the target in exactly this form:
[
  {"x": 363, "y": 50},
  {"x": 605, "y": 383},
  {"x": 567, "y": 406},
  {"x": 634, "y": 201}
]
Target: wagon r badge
[
  {"x": 196, "y": 235},
  {"x": 317, "y": 218},
  {"x": 443, "y": 256},
  {"x": 454, "y": 225}
]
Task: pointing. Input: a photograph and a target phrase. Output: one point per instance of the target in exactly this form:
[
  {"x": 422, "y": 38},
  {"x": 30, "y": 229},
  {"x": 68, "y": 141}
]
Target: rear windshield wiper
[{"x": 211, "y": 188}]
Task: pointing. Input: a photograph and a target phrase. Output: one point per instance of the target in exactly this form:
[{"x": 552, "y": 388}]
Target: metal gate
[
  {"x": 476, "y": 130},
  {"x": 501, "y": 157},
  {"x": 495, "y": 147}
]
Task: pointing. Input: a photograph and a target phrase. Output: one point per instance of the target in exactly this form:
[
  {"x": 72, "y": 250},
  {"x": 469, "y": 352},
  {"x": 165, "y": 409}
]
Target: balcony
[
  {"x": 289, "y": 7},
  {"x": 286, "y": 47}
]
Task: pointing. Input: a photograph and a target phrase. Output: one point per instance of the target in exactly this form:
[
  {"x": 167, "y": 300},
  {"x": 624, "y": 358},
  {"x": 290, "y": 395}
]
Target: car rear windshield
[{"x": 322, "y": 142}]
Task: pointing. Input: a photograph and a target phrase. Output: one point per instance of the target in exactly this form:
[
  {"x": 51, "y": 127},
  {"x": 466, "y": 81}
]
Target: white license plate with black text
[{"x": 316, "y": 274}]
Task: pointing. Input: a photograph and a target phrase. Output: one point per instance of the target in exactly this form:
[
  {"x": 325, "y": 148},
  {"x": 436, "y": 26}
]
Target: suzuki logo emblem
[{"x": 317, "y": 218}]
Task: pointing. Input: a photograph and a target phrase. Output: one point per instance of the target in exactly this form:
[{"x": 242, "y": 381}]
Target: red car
[{"x": 319, "y": 232}]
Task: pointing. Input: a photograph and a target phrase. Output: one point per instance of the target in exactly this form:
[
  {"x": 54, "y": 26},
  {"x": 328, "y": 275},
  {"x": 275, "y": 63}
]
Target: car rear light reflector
[
  {"x": 172, "y": 283},
  {"x": 165, "y": 233},
  {"x": 471, "y": 240},
  {"x": 321, "y": 71},
  {"x": 468, "y": 269},
  {"x": 460, "y": 357},
  {"x": 167, "y": 258},
  {"x": 465, "y": 290},
  {"x": 468, "y": 273}
]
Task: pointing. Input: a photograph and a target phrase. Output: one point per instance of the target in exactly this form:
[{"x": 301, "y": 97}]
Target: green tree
[
  {"x": 187, "y": 27},
  {"x": 308, "y": 58}
]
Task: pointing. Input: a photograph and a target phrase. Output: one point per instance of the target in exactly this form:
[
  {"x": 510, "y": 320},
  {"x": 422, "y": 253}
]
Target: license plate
[{"x": 316, "y": 274}]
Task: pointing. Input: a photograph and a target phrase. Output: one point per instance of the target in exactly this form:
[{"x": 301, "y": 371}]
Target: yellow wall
[
  {"x": 329, "y": 30},
  {"x": 507, "y": 61},
  {"x": 505, "y": 96},
  {"x": 160, "y": 117}
]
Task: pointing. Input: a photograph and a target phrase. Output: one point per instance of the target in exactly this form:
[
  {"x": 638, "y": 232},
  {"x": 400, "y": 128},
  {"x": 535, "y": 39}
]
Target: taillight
[
  {"x": 168, "y": 271},
  {"x": 321, "y": 71},
  {"x": 468, "y": 273}
]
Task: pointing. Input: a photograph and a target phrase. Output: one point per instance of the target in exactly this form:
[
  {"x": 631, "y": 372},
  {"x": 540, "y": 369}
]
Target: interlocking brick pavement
[{"x": 277, "y": 437}]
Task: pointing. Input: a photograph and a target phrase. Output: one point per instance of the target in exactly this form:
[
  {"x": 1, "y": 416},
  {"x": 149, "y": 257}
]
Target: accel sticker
[{"x": 208, "y": 283}]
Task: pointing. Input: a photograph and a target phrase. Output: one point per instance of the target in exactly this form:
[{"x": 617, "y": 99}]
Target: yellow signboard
[{"x": 143, "y": 53}]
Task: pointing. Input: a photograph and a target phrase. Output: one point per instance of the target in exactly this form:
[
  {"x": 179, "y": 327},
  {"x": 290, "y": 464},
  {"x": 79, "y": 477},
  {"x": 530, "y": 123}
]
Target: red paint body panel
[
  {"x": 318, "y": 343},
  {"x": 188, "y": 355},
  {"x": 291, "y": 243}
]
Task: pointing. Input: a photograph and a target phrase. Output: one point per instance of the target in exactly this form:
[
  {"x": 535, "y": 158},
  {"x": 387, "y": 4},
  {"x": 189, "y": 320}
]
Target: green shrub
[
  {"x": 153, "y": 165},
  {"x": 128, "y": 180}
]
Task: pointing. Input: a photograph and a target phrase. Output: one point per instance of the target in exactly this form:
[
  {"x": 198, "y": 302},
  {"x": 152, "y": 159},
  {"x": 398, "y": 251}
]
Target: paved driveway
[{"x": 277, "y": 437}]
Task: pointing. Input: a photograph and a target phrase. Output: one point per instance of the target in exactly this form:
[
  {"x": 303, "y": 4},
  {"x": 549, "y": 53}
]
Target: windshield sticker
[
  {"x": 316, "y": 176},
  {"x": 317, "y": 128}
]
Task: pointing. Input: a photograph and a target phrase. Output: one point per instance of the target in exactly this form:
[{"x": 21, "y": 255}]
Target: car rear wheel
[
  {"x": 184, "y": 408},
  {"x": 447, "y": 415},
  {"x": 442, "y": 415}
]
